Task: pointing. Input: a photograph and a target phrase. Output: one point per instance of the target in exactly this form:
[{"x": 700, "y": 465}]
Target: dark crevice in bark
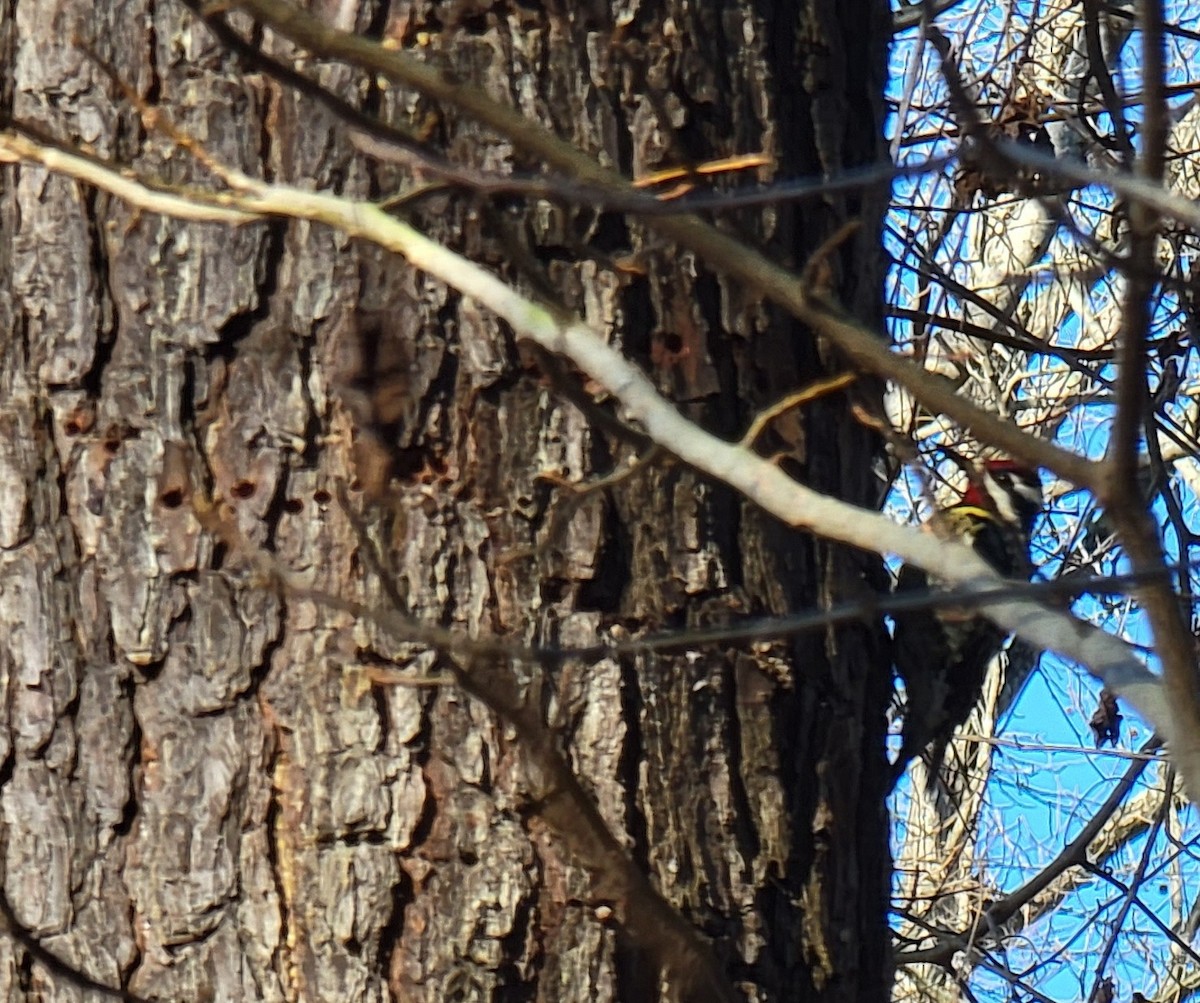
[
  {"x": 393, "y": 930},
  {"x": 745, "y": 835},
  {"x": 554, "y": 589},
  {"x": 637, "y": 975},
  {"x": 8, "y": 34},
  {"x": 57, "y": 516},
  {"x": 268, "y": 141},
  {"x": 477, "y": 25},
  {"x": 21, "y": 340},
  {"x": 106, "y": 338},
  {"x": 378, "y": 21},
  {"x": 273, "y": 820},
  {"x": 24, "y": 965},
  {"x": 351, "y": 839},
  {"x": 632, "y": 753},
  {"x": 129, "y": 811},
  {"x": 797, "y": 736},
  {"x": 516, "y": 987},
  {"x": 724, "y": 510},
  {"x": 262, "y": 669},
  {"x": 276, "y": 508},
  {"x": 70, "y": 709},
  {"x": 255, "y": 36},
  {"x": 704, "y": 72},
  {"x": 792, "y": 949},
  {"x": 612, "y": 573},
  {"x": 727, "y": 407},
  {"x": 154, "y": 87},
  {"x": 149, "y": 671},
  {"x": 446, "y": 619},
  {"x": 640, "y": 319},
  {"x": 372, "y": 103},
  {"x": 189, "y": 393},
  {"x": 610, "y": 234},
  {"x": 379, "y": 699},
  {"x": 6, "y": 769},
  {"x": 241, "y": 324}
]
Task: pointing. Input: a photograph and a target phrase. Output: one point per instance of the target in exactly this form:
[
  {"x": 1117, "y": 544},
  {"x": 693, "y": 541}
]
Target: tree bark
[{"x": 212, "y": 790}]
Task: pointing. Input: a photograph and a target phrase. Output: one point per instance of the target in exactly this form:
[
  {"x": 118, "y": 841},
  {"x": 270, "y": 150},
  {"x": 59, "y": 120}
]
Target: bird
[{"x": 942, "y": 654}]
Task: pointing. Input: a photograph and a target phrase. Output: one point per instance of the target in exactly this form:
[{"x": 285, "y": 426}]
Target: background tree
[
  {"x": 217, "y": 787},
  {"x": 1024, "y": 288}
]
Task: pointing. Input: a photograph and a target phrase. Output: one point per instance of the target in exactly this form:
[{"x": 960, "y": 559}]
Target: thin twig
[
  {"x": 1074, "y": 854},
  {"x": 812, "y": 392},
  {"x": 1130, "y": 893}
]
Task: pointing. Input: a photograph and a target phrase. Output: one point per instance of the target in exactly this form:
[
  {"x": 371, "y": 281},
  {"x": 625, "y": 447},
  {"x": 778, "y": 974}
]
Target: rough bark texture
[{"x": 204, "y": 794}]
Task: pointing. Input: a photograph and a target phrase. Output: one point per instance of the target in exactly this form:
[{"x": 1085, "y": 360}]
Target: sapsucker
[{"x": 943, "y": 653}]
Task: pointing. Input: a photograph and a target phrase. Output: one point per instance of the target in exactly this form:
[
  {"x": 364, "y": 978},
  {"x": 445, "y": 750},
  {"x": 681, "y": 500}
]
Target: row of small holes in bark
[{"x": 173, "y": 497}]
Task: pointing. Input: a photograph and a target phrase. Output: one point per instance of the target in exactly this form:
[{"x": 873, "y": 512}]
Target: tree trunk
[{"x": 212, "y": 790}]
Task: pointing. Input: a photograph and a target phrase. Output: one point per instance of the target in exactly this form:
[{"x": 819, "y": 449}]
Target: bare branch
[
  {"x": 1107, "y": 657},
  {"x": 1126, "y": 505}
]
